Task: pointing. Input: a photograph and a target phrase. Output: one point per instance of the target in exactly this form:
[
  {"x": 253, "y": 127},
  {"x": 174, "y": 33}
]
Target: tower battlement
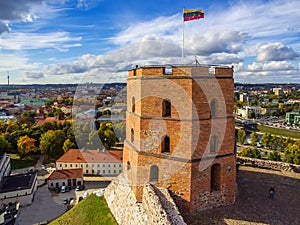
[{"x": 191, "y": 71}]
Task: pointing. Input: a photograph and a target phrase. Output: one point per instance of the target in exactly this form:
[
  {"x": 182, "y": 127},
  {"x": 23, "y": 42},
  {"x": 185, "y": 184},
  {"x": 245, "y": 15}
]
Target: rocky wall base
[{"x": 157, "y": 207}]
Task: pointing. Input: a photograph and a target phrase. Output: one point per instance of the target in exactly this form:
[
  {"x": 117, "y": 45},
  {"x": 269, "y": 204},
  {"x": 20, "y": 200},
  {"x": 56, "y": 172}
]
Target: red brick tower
[{"x": 180, "y": 134}]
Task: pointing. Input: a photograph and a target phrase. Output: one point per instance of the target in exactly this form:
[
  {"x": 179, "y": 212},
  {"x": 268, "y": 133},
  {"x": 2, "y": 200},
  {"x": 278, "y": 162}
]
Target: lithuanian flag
[{"x": 191, "y": 14}]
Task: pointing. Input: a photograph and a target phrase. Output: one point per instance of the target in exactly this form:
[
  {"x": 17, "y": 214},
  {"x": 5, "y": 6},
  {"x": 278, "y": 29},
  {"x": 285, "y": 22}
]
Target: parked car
[
  {"x": 79, "y": 188},
  {"x": 68, "y": 189},
  {"x": 63, "y": 189},
  {"x": 259, "y": 145}
]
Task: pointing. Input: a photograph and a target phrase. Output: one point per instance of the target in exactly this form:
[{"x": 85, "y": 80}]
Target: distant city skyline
[{"x": 78, "y": 41}]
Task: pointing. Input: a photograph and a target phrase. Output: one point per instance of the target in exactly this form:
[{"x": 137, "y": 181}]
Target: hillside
[{"x": 91, "y": 211}]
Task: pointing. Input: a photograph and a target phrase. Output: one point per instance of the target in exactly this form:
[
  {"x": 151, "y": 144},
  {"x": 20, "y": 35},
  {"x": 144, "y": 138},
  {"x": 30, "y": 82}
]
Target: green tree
[
  {"x": 241, "y": 136},
  {"x": 27, "y": 117},
  {"x": 292, "y": 153},
  {"x": 3, "y": 144},
  {"x": 250, "y": 152},
  {"x": 51, "y": 143},
  {"x": 68, "y": 145},
  {"x": 254, "y": 139},
  {"x": 107, "y": 135},
  {"x": 266, "y": 140},
  {"x": 26, "y": 145},
  {"x": 275, "y": 156}
]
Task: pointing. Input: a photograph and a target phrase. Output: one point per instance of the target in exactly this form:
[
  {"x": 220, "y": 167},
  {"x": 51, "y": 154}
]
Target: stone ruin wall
[
  {"x": 157, "y": 207},
  {"x": 268, "y": 164}
]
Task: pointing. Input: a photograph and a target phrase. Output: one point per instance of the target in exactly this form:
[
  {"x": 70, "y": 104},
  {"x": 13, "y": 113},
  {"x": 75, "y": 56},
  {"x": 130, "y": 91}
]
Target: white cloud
[
  {"x": 210, "y": 42},
  {"x": 61, "y": 41},
  {"x": 271, "y": 66},
  {"x": 275, "y": 52},
  {"x": 15, "y": 61}
]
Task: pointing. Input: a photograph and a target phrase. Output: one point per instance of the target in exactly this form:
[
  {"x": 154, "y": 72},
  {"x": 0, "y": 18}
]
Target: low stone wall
[
  {"x": 157, "y": 207},
  {"x": 268, "y": 164}
]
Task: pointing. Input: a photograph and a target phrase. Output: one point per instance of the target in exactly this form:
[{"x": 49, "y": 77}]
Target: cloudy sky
[{"x": 73, "y": 41}]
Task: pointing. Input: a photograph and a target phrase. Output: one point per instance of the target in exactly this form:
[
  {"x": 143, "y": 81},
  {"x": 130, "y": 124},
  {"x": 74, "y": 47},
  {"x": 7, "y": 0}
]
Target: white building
[
  {"x": 93, "y": 162},
  {"x": 250, "y": 111},
  {"x": 65, "y": 177}
]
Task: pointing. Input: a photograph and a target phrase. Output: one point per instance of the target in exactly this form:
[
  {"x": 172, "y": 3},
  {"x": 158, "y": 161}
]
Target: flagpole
[{"x": 182, "y": 51}]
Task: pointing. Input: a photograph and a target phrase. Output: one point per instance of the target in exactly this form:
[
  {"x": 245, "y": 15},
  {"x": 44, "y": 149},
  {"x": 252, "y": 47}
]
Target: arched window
[
  {"x": 166, "y": 108},
  {"x": 133, "y": 104},
  {"x": 132, "y": 135},
  {"x": 128, "y": 165},
  {"x": 165, "y": 145},
  {"x": 215, "y": 178},
  {"x": 213, "y": 108},
  {"x": 213, "y": 144},
  {"x": 154, "y": 173}
]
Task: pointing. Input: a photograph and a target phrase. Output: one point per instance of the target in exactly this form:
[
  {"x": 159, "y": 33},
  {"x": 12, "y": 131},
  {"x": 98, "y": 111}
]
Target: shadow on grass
[{"x": 18, "y": 162}]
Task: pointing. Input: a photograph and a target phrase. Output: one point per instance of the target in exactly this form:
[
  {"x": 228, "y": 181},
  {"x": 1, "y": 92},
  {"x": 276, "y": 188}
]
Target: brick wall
[{"x": 186, "y": 169}]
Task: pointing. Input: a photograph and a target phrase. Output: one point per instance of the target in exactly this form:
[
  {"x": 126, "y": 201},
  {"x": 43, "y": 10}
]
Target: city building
[
  {"x": 93, "y": 162},
  {"x": 15, "y": 188},
  {"x": 278, "y": 91},
  {"x": 65, "y": 177},
  {"x": 292, "y": 117},
  {"x": 249, "y": 112},
  {"x": 18, "y": 188},
  {"x": 180, "y": 134}
]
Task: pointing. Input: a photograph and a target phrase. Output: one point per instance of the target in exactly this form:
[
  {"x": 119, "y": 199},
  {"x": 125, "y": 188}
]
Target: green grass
[
  {"x": 92, "y": 210},
  {"x": 279, "y": 132},
  {"x": 17, "y": 162}
]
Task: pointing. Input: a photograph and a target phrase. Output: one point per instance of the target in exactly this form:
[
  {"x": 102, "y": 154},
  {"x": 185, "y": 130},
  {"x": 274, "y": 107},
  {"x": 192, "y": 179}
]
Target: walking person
[{"x": 271, "y": 192}]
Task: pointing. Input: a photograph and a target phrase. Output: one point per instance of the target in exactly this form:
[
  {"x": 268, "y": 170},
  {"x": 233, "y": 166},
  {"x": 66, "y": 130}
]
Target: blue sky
[{"x": 74, "y": 41}]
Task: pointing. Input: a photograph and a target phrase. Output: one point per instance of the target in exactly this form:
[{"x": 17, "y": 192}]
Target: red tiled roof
[
  {"x": 73, "y": 155},
  {"x": 49, "y": 120},
  {"x": 106, "y": 156},
  {"x": 65, "y": 174},
  {"x": 92, "y": 156}
]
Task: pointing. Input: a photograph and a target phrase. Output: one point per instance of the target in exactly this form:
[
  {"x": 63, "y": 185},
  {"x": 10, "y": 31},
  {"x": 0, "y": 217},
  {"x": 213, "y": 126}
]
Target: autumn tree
[
  {"x": 250, "y": 152},
  {"x": 51, "y": 143},
  {"x": 68, "y": 145},
  {"x": 26, "y": 145},
  {"x": 241, "y": 136},
  {"x": 275, "y": 156},
  {"x": 292, "y": 153},
  {"x": 3, "y": 144},
  {"x": 267, "y": 140},
  {"x": 254, "y": 138},
  {"x": 107, "y": 135}
]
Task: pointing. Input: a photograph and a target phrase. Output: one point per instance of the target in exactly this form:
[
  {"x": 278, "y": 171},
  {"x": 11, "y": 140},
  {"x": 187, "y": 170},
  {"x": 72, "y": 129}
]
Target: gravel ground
[{"x": 253, "y": 205}]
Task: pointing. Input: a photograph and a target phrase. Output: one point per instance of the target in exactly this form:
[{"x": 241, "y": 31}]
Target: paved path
[
  {"x": 43, "y": 208},
  {"x": 253, "y": 205}
]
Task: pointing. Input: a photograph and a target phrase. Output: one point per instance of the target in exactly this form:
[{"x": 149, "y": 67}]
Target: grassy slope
[
  {"x": 279, "y": 132},
  {"x": 17, "y": 163},
  {"x": 91, "y": 211}
]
